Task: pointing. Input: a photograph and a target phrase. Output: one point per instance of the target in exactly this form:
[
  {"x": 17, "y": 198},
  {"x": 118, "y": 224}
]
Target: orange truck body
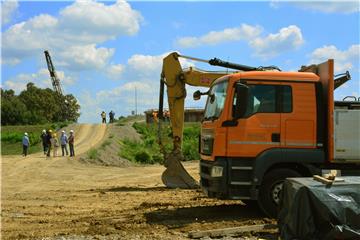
[{"x": 240, "y": 156}]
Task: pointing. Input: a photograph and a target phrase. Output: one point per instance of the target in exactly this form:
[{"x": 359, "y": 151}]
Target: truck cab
[{"x": 261, "y": 127}]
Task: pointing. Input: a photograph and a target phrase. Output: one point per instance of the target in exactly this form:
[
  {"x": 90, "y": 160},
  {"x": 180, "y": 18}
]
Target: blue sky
[{"x": 102, "y": 51}]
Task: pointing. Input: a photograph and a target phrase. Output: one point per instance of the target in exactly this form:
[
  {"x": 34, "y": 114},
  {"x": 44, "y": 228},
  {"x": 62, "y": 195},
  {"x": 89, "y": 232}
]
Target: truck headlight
[
  {"x": 207, "y": 146},
  {"x": 216, "y": 171}
]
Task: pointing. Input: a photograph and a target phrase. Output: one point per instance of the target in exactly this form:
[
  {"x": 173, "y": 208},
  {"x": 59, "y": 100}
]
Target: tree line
[{"x": 37, "y": 106}]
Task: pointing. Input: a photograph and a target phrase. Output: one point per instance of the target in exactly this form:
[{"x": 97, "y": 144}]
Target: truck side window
[
  {"x": 286, "y": 99},
  {"x": 267, "y": 99},
  {"x": 262, "y": 99}
]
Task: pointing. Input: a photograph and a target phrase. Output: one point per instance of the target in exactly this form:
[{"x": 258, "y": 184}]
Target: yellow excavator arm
[{"x": 175, "y": 79}]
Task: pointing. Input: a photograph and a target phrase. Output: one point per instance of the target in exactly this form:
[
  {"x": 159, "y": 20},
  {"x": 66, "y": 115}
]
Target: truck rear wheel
[{"x": 270, "y": 189}]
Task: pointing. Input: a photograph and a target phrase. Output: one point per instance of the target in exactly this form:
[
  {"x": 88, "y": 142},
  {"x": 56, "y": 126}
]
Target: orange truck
[{"x": 261, "y": 127}]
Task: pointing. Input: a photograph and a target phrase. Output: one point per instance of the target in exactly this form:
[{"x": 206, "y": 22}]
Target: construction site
[
  {"x": 184, "y": 120},
  {"x": 267, "y": 149}
]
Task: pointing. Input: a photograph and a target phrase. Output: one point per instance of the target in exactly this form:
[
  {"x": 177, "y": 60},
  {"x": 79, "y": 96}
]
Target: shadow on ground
[
  {"x": 132, "y": 189},
  {"x": 180, "y": 217}
]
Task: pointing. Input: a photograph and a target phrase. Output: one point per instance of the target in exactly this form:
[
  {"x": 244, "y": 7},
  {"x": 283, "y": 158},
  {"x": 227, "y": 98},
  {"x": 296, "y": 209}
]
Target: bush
[
  {"x": 93, "y": 153},
  {"x": 148, "y": 150},
  {"x": 143, "y": 157},
  {"x": 12, "y": 137},
  {"x": 105, "y": 144}
]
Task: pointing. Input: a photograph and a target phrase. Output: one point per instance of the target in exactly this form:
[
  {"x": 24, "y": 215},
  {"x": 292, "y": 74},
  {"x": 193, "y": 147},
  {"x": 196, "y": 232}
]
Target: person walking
[
  {"x": 103, "y": 116},
  {"x": 55, "y": 144},
  {"x": 48, "y": 141},
  {"x": 64, "y": 142},
  {"x": 43, "y": 137},
  {"x": 26, "y": 144},
  {"x": 71, "y": 143}
]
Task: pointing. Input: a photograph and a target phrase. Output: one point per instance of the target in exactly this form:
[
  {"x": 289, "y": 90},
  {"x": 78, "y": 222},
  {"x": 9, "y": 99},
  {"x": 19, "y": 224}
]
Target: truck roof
[{"x": 274, "y": 76}]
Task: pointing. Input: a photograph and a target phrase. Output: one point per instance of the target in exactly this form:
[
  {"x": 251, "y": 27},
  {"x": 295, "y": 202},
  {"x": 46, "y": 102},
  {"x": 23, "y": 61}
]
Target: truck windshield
[{"x": 216, "y": 100}]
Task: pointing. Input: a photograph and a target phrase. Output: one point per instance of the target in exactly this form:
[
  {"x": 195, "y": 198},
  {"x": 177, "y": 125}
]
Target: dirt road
[{"x": 62, "y": 198}]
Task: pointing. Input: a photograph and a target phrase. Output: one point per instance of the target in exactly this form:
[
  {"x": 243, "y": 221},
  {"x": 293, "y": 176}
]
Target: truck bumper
[{"x": 234, "y": 182}]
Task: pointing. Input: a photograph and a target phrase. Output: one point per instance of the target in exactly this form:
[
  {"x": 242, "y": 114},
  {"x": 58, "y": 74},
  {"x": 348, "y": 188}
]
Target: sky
[{"x": 105, "y": 51}]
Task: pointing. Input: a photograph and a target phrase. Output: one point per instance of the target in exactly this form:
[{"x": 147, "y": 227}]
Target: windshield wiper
[{"x": 212, "y": 118}]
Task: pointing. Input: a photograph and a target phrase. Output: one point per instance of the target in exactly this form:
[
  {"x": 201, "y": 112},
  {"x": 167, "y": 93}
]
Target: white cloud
[
  {"x": 79, "y": 28},
  {"x": 345, "y": 7},
  {"x": 150, "y": 65},
  {"x": 40, "y": 79},
  {"x": 244, "y": 32},
  {"x": 344, "y": 60},
  {"x": 95, "y": 17},
  {"x": 8, "y": 9},
  {"x": 115, "y": 71},
  {"x": 288, "y": 38},
  {"x": 85, "y": 57}
]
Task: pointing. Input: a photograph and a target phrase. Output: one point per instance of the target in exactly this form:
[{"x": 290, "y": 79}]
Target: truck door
[{"x": 259, "y": 129}]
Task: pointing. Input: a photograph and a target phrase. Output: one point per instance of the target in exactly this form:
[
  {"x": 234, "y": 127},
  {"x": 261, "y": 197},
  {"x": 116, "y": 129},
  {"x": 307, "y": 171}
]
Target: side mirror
[
  {"x": 197, "y": 95},
  {"x": 242, "y": 92}
]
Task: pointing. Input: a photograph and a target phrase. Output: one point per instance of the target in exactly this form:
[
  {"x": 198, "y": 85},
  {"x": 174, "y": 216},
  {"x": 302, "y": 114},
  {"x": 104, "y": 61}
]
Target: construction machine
[
  {"x": 55, "y": 81},
  {"x": 261, "y": 127},
  {"x": 176, "y": 78}
]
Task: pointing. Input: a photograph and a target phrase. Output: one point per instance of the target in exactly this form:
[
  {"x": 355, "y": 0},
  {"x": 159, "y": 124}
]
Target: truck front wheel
[{"x": 270, "y": 189}]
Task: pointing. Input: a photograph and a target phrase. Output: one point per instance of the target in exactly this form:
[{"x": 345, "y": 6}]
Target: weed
[
  {"x": 105, "y": 144},
  {"x": 148, "y": 150},
  {"x": 93, "y": 153}
]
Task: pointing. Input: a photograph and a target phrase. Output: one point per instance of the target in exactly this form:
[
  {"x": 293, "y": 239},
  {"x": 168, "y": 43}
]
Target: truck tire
[{"x": 270, "y": 190}]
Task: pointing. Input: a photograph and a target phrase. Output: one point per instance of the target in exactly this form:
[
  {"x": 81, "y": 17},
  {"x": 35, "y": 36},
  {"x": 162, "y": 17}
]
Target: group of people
[
  {"x": 50, "y": 142},
  {"x": 111, "y": 116}
]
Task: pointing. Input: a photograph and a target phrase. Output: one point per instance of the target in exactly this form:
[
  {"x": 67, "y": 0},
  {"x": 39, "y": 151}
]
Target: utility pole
[{"x": 135, "y": 101}]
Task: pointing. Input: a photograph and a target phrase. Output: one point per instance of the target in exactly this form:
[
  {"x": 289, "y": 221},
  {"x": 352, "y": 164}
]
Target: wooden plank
[
  {"x": 322, "y": 179},
  {"x": 231, "y": 231}
]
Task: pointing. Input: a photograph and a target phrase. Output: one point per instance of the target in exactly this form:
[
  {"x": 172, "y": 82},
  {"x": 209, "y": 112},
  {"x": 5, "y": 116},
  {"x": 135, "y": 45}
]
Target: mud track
[{"x": 62, "y": 198}]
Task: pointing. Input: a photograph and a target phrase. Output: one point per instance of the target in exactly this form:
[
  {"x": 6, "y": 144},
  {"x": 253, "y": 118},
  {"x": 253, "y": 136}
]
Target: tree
[{"x": 36, "y": 106}]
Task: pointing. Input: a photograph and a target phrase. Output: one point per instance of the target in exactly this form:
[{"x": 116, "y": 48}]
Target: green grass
[
  {"x": 105, "y": 144},
  {"x": 93, "y": 153},
  {"x": 11, "y": 137},
  {"x": 148, "y": 150}
]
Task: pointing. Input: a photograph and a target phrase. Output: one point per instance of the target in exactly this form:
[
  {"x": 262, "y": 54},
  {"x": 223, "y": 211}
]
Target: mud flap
[{"x": 175, "y": 175}]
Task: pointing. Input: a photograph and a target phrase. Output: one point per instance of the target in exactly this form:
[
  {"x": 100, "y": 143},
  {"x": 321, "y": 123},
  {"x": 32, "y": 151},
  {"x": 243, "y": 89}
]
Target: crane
[{"x": 54, "y": 78}]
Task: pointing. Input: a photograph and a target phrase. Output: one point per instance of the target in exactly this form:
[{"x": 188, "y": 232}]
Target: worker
[
  {"x": 71, "y": 143},
  {"x": 167, "y": 115},
  {"x": 64, "y": 142},
  {"x": 43, "y": 137},
  {"x": 48, "y": 141},
  {"x": 111, "y": 116},
  {"x": 55, "y": 144},
  {"x": 103, "y": 116},
  {"x": 26, "y": 144},
  {"x": 155, "y": 116}
]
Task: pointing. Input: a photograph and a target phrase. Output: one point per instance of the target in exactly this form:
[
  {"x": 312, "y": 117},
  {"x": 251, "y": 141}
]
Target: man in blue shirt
[
  {"x": 64, "y": 142},
  {"x": 26, "y": 144}
]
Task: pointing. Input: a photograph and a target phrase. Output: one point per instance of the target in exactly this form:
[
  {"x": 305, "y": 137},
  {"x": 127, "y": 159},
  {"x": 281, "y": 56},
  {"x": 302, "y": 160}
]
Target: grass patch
[
  {"x": 93, "y": 153},
  {"x": 11, "y": 137},
  {"x": 148, "y": 151},
  {"x": 105, "y": 144}
]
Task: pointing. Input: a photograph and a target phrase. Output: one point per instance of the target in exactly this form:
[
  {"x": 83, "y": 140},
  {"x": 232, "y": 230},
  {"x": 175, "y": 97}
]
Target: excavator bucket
[{"x": 175, "y": 175}]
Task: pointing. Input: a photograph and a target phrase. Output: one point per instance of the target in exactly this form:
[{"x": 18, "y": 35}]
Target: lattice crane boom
[{"x": 54, "y": 78}]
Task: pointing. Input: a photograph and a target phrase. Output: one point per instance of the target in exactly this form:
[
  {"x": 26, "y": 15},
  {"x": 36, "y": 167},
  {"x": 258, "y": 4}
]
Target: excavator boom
[{"x": 175, "y": 78}]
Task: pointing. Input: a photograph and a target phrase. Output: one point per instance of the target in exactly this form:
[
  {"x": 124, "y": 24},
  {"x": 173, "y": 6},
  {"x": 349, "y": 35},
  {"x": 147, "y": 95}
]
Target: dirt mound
[{"x": 106, "y": 153}]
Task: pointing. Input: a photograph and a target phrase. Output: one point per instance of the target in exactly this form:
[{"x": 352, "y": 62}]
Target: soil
[{"x": 70, "y": 198}]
